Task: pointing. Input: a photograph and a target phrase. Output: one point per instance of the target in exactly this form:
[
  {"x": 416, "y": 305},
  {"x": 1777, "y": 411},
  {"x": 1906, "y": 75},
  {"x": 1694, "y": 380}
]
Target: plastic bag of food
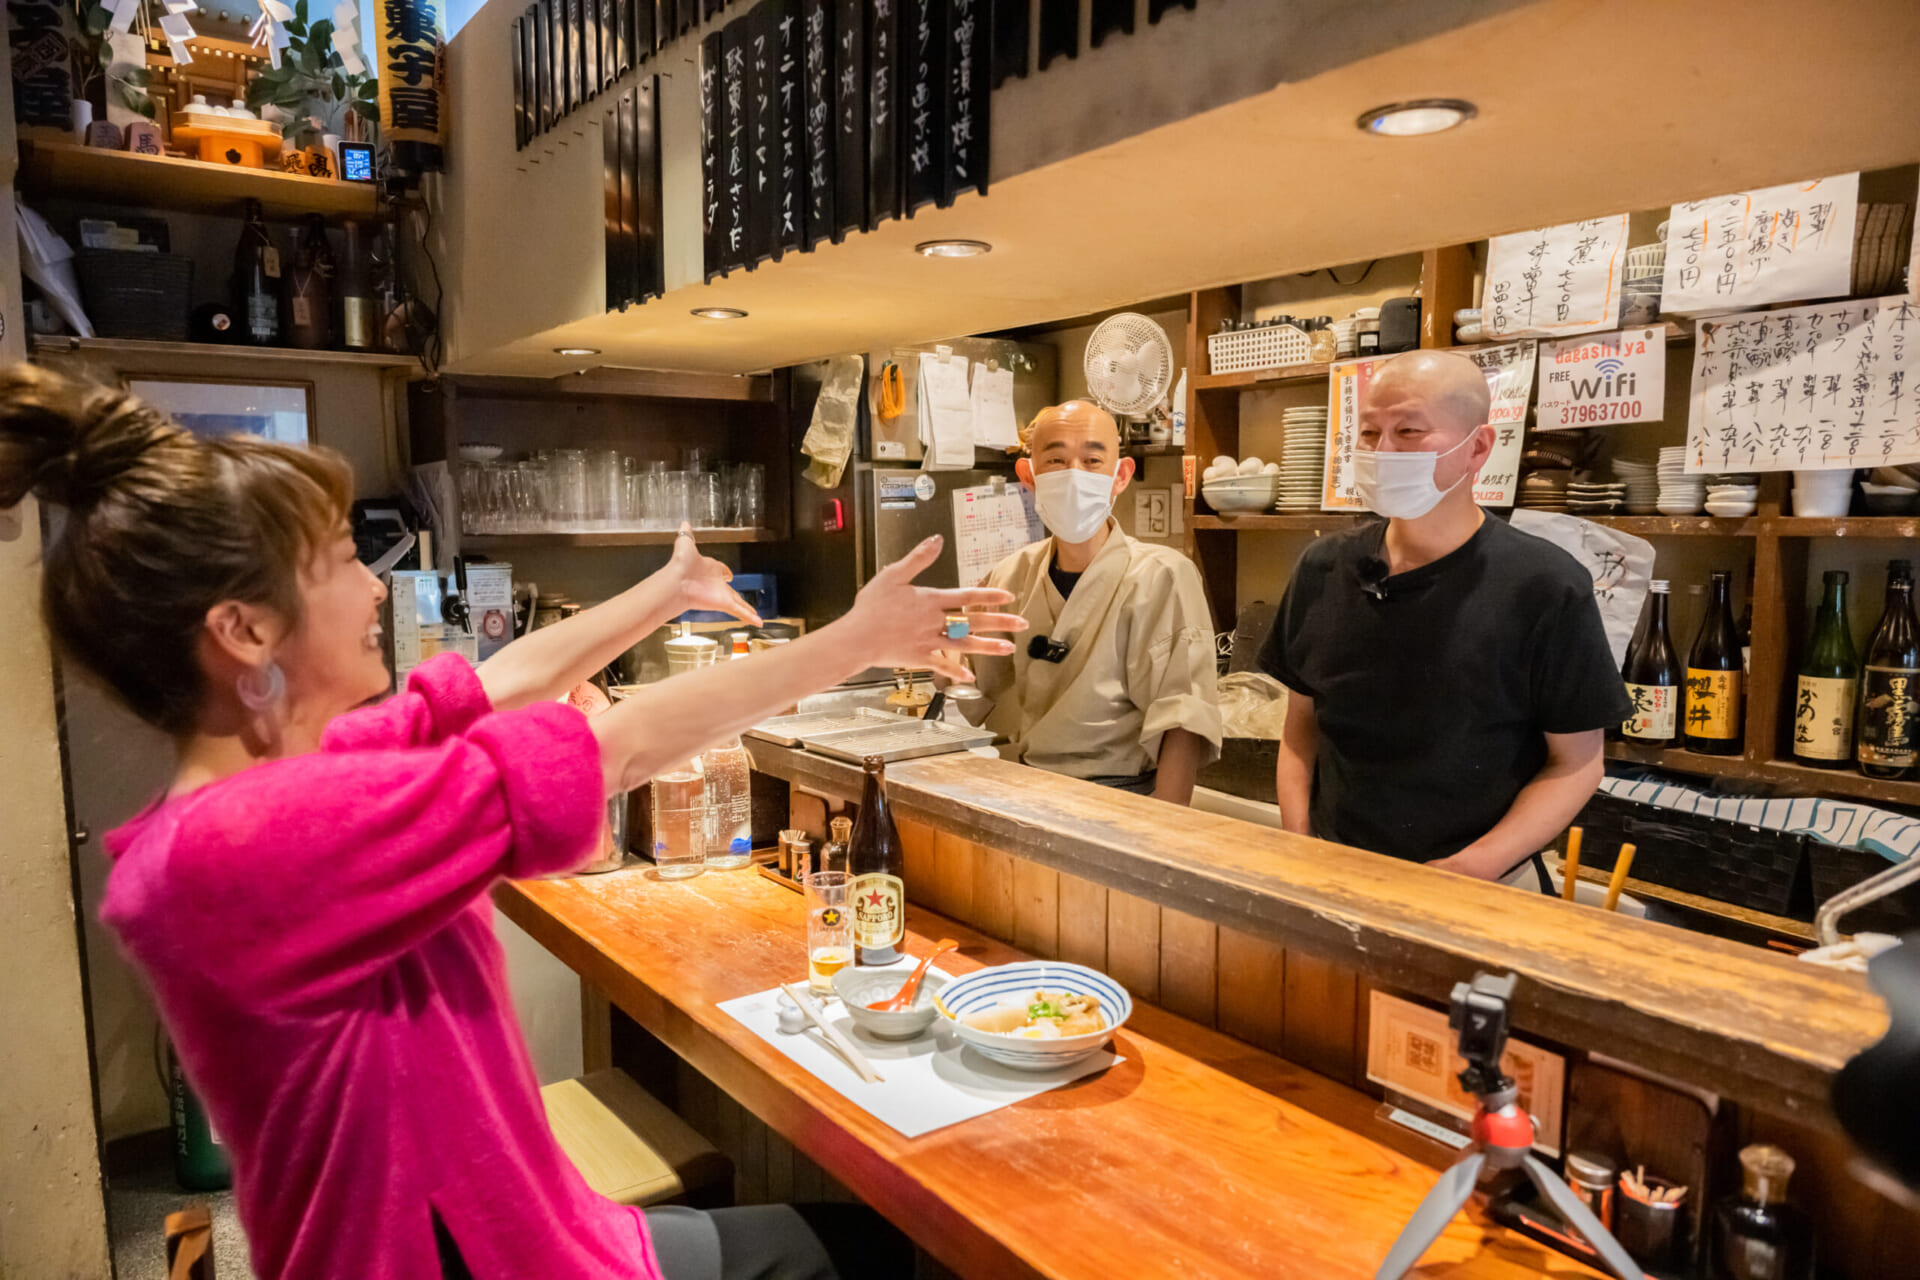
[{"x": 1252, "y": 705}]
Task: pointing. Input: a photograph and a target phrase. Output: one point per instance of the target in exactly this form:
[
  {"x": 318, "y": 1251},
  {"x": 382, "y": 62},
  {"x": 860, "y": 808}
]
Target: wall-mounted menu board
[
  {"x": 736, "y": 177},
  {"x": 816, "y": 25},
  {"x": 883, "y": 137},
  {"x": 635, "y": 248},
  {"x": 969, "y": 65},
  {"x": 850, "y": 88},
  {"x": 923, "y": 119},
  {"x": 713, "y": 129},
  {"x": 763, "y": 132},
  {"x": 790, "y": 91}
]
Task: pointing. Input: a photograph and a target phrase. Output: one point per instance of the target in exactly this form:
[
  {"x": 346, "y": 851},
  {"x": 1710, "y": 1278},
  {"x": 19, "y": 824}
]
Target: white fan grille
[{"x": 1129, "y": 364}]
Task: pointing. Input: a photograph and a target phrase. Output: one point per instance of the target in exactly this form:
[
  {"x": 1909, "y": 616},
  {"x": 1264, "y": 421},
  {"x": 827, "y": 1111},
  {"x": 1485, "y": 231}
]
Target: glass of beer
[{"x": 829, "y": 929}]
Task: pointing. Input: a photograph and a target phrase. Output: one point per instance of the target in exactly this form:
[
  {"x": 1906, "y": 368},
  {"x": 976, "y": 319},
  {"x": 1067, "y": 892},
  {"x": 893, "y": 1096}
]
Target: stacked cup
[
  {"x": 1680, "y": 493},
  {"x": 1643, "y": 485},
  {"x": 1822, "y": 493}
]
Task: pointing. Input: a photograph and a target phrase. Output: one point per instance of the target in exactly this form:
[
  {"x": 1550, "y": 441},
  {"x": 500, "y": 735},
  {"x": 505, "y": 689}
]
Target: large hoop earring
[{"x": 261, "y": 687}]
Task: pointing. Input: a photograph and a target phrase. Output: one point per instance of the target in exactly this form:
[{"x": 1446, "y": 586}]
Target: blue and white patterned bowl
[{"x": 989, "y": 987}]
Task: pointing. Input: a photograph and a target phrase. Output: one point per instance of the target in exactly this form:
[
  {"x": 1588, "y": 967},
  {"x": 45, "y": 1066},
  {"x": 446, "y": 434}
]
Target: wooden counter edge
[{"x": 1755, "y": 1027}]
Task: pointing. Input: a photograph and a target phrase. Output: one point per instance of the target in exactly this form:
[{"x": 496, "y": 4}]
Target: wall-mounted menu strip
[
  {"x": 1011, "y": 39},
  {"x": 789, "y": 73},
  {"x": 583, "y": 53},
  {"x": 546, "y": 61},
  {"x": 1059, "y": 30},
  {"x": 689, "y": 15},
  {"x": 969, "y": 54},
  {"x": 608, "y": 42},
  {"x": 923, "y": 94},
  {"x": 642, "y": 33},
  {"x": 712, "y": 129},
  {"x": 530, "y": 73},
  {"x": 590, "y": 55},
  {"x": 763, "y": 130},
  {"x": 619, "y": 270},
  {"x": 849, "y": 117},
  {"x": 519, "y": 87},
  {"x": 1110, "y": 17},
  {"x": 714, "y": 7},
  {"x": 1157, "y": 8},
  {"x": 883, "y": 113},
  {"x": 569, "y": 11},
  {"x": 649, "y": 212},
  {"x": 817, "y": 28},
  {"x": 737, "y": 175}
]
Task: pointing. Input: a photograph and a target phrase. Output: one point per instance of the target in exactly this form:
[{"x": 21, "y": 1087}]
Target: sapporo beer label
[
  {"x": 1823, "y": 718},
  {"x": 1890, "y": 717},
  {"x": 1713, "y": 703},
  {"x": 1656, "y": 709},
  {"x": 879, "y": 911}
]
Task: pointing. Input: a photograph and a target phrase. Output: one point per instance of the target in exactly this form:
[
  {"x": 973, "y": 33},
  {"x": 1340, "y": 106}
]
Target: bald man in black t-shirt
[{"x": 1450, "y": 676}]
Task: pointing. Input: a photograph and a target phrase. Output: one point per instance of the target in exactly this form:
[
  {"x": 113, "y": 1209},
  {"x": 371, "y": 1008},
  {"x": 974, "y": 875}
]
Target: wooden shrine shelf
[
  {"x": 194, "y": 186},
  {"x": 135, "y": 351}
]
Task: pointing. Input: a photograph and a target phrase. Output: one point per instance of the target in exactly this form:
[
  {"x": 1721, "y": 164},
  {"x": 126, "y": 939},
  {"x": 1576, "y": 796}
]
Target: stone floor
[{"x": 141, "y": 1193}]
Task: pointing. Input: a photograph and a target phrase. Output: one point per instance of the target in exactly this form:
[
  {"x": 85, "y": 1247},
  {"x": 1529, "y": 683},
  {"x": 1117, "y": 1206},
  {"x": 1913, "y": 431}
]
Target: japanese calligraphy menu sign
[
  {"x": 1605, "y": 379},
  {"x": 1775, "y": 244},
  {"x": 1346, "y": 389},
  {"x": 1556, "y": 280},
  {"x": 412, "y": 83},
  {"x": 1807, "y": 388}
]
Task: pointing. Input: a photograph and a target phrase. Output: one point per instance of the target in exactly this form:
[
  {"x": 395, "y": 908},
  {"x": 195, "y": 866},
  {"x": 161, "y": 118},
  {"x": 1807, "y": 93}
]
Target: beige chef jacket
[{"x": 1140, "y": 661}]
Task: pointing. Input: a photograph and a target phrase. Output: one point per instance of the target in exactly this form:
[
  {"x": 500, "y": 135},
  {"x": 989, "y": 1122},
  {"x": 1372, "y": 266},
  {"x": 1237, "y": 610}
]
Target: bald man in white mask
[{"x": 1116, "y": 683}]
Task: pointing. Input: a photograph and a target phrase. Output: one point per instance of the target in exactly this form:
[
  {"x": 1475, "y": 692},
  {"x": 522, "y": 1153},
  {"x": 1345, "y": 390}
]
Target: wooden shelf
[
  {"x": 135, "y": 351},
  {"x": 656, "y": 384},
  {"x": 1645, "y": 526},
  {"x": 1778, "y": 773},
  {"x": 164, "y": 182},
  {"x": 1669, "y": 526},
  {"x": 1296, "y": 374},
  {"x": 1844, "y": 526},
  {"x": 609, "y": 538},
  {"x": 1304, "y": 522},
  {"x": 1647, "y": 891}
]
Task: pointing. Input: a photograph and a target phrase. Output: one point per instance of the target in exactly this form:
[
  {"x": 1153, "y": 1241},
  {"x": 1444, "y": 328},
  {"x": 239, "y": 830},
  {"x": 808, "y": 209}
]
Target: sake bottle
[
  {"x": 1889, "y": 730},
  {"x": 1828, "y": 685},
  {"x": 1713, "y": 719},
  {"x": 256, "y": 281},
  {"x": 1652, "y": 676}
]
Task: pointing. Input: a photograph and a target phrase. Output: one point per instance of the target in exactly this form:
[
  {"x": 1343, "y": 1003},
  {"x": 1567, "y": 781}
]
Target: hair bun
[{"x": 67, "y": 442}]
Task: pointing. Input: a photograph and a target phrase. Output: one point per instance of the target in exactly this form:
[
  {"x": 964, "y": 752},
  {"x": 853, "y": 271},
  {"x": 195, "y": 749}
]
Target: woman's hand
[
  {"x": 701, "y": 582},
  {"x": 896, "y": 624}
]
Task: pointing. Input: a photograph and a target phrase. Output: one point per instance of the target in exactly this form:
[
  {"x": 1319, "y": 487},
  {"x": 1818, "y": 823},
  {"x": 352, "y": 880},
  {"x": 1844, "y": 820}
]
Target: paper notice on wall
[
  {"x": 1774, "y": 244},
  {"x": 1807, "y": 388},
  {"x": 1556, "y": 280},
  {"x": 994, "y": 423},
  {"x": 1346, "y": 392},
  {"x": 945, "y": 413},
  {"x": 1606, "y": 379},
  {"x": 1509, "y": 372},
  {"x": 990, "y": 523},
  {"x": 1411, "y": 1051},
  {"x": 1913, "y": 253}
]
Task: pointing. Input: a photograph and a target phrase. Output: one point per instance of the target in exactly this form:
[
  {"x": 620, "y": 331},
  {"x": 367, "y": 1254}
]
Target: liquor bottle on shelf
[
  {"x": 309, "y": 290},
  {"x": 1829, "y": 684},
  {"x": 877, "y": 862},
  {"x": 356, "y": 292},
  {"x": 1713, "y": 719},
  {"x": 1757, "y": 1235},
  {"x": 1652, "y": 675},
  {"x": 1888, "y": 735},
  {"x": 389, "y": 294},
  {"x": 729, "y": 805},
  {"x": 256, "y": 281}
]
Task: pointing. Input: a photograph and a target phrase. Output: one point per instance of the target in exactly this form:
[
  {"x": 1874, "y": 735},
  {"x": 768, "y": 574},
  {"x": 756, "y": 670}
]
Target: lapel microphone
[
  {"x": 1373, "y": 577},
  {"x": 1045, "y": 649}
]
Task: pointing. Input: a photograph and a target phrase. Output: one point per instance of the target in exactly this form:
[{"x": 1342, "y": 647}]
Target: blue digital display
[{"x": 356, "y": 162}]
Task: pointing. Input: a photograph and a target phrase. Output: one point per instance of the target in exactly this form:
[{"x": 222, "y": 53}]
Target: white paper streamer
[
  {"x": 269, "y": 29},
  {"x": 346, "y": 37},
  {"x": 124, "y": 12}
]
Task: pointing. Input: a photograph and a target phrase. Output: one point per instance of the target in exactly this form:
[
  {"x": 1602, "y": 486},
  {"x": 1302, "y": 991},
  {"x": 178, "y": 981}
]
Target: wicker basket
[
  {"x": 1835, "y": 868},
  {"x": 136, "y": 295},
  {"x": 1752, "y": 867},
  {"x": 1273, "y": 347}
]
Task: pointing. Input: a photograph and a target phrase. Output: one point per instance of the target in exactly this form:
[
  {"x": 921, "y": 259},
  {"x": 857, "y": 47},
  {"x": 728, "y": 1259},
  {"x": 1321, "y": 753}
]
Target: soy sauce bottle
[
  {"x": 1652, "y": 676},
  {"x": 1714, "y": 671}
]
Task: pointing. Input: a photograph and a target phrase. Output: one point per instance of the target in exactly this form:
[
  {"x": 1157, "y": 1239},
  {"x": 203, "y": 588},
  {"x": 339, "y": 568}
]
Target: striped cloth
[{"x": 1893, "y": 836}]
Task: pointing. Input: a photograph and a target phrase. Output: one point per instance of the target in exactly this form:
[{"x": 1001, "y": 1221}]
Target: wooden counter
[
  {"x": 1758, "y": 1028},
  {"x": 1197, "y": 1156}
]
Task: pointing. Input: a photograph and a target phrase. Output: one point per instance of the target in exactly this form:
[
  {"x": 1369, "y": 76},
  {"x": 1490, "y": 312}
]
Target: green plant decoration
[
  {"x": 91, "y": 51},
  {"x": 310, "y": 82}
]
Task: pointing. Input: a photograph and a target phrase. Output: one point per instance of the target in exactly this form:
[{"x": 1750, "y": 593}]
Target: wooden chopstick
[
  {"x": 1570, "y": 869},
  {"x": 1620, "y": 865},
  {"x": 835, "y": 1037}
]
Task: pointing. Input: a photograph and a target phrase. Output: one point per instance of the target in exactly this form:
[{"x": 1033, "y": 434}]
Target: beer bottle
[
  {"x": 1713, "y": 676},
  {"x": 1829, "y": 684},
  {"x": 256, "y": 281},
  {"x": 1652, "y": 675},
  {"x": 1889, "y": 733},
  {"x": 877, "y": 863}
]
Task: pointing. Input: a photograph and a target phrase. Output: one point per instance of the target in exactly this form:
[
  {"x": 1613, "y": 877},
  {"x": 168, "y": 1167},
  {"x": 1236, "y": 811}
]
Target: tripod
[{"x": 1503, "y": 1139}]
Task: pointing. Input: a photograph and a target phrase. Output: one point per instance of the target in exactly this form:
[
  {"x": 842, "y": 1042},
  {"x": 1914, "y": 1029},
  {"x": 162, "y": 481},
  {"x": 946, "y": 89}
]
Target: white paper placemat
[{"x": 926, "y": 1084}]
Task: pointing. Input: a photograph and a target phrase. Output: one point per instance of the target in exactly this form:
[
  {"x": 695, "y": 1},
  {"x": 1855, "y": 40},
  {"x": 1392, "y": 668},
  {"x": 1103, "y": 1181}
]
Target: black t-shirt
[
  {"x": 1063, "y": 582},
  {"x": 1431, "y": 702}
]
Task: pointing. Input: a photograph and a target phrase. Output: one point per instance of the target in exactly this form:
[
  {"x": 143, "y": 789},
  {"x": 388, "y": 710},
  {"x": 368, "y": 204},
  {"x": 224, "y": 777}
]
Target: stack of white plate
[
  {"x": 1680, "y": 493},
  {"x": 1592, "y": 499},
  {"x": 1643, "y": 485},
  {"x": 1304, "y": 457},
  {"x": 1732, "y": 496}
]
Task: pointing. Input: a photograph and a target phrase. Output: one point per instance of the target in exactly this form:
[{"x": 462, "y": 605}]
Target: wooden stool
[{"x": 630, "y": 1148}]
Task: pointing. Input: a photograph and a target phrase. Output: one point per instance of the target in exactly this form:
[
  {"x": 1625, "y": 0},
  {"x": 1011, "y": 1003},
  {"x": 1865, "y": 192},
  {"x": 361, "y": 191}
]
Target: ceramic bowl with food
[
  {"x": 1037, "y": 1015},
  {"x": 858, "y": 988}
]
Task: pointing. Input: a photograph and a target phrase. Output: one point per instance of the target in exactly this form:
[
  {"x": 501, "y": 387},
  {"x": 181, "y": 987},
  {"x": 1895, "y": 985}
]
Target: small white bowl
[
  {"x": 1726, "y": 510},
  {"x": 985, "y": 988},
  {"x": 480, "y": 452}
]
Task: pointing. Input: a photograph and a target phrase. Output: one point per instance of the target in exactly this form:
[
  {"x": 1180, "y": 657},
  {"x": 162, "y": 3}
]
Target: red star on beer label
[{"x": 876, "y": 900}]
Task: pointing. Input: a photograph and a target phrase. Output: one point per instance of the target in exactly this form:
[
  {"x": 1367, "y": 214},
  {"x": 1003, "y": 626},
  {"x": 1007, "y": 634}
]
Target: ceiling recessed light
[
  {"x": 720, "y": 313},
  {"x": 952, "y": 248},
  {"x": 576, "y": 351},
  {"x": 1423, "y": 115}
]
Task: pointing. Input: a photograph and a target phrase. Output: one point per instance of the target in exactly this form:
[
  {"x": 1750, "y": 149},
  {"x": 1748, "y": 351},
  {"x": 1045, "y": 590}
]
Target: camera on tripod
[{"x": 1478, "y": 1020}]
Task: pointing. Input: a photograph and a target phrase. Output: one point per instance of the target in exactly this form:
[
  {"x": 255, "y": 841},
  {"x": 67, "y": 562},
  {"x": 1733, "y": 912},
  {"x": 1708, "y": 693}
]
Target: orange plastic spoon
[{"x": 903, "y": 999}]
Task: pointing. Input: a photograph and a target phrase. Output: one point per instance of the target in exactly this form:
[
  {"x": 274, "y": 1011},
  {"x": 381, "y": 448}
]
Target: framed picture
[{"x": 281, "y": 411}]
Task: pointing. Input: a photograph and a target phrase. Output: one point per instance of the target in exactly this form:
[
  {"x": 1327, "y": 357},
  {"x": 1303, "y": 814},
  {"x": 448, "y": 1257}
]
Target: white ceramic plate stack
[
  {"x": 1732, "y": 497},
  {"x": 1304, "y": 458},
  {"x": 1822, "y": 493},
  {"x": 1643, "y": 485},
  {"x": 1594, "y": 499},
  {"x": 1680, "y": 493}
]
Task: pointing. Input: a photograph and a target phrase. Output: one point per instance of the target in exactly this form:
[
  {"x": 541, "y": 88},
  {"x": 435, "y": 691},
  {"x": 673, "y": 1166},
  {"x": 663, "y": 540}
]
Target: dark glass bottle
[
  {"x": 308, "y": 318},
  {"x": 1757, "y": 1235},
  {"x": 356, "y": 291},
  {"x": 389, "y": 294},
  {"x": 1888, "y": 742},
  {"x": 877, "y": 862},
  {"x": 1652, "y": 675},
  {"x": 1713, "y": 722},
  {"x": 256, "y": 281},
  {"x": 1829, "y": 684}
]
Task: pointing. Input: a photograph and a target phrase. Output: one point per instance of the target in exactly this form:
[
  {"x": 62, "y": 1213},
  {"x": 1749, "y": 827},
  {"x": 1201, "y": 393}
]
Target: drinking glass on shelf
[
  {"x": 695, "y": 457},
  {"x": 748, "y": 499},
  {"x": 829, "y": 929},
  {"x": 709, "y": 502},
  {"x": 569, "y": 486},
  {"x": 680, "y": 821},
  {"x": 676, "y": 506},
  {"x": 526, "y": 499},
  {"x": 605, "y": 480}
]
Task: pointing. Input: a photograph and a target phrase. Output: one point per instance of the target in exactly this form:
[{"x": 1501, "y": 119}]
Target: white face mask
[
  {"x": 1400, "y": 486},
  {"x": 1074, "y": 503}
]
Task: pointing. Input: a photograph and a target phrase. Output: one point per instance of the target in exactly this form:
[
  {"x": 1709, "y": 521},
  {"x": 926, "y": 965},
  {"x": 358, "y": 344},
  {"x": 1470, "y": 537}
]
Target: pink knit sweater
[{"x": 318, "y": 933}]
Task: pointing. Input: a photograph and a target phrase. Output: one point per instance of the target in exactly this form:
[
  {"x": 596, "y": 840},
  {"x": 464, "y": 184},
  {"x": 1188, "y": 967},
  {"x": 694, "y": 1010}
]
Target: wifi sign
[{"x": 1597, "y": 381}]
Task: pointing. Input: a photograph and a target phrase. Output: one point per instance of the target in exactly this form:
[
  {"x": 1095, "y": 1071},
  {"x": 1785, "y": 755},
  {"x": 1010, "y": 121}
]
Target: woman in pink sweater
[{"x": 309, "y": 897}]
